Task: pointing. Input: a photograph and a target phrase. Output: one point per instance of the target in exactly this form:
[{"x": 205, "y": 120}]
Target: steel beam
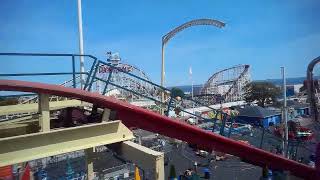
[
  {"x": 144, "y": 157},
  {"x": 23, "y": 119},
  {"x": 43, "y": 144},
  {"x": 29, "y": 108},
  {"x": 89, "y": 161},
  {"x": 7, "y": 130},
  {"x": 106, "y": 114},
  {"x": 19, "y": 126},
  {"x": 43, "y": 104}
]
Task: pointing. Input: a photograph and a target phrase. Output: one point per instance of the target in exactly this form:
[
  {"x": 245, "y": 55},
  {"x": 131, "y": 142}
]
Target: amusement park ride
[
  {"x": 124, "y": 79},
  {"x": 229, "y": 83},
  {"x": 313, "y": 90},
  {"x": 28, "y": 131}
]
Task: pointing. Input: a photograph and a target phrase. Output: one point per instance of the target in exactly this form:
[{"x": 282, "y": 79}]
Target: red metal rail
[{"x": 133, "y": 116}]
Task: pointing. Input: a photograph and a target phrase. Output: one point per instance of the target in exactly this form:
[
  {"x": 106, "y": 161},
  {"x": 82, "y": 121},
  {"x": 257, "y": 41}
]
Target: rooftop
[{"x": 257, "y": 111}]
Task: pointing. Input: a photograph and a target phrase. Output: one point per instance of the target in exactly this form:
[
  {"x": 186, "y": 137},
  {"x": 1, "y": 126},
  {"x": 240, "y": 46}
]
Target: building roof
[
  {"x": 257, "y": 111},
  {"x": 297, "y": 105}
]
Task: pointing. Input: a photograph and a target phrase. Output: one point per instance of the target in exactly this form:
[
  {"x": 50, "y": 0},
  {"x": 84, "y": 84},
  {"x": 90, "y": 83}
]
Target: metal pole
[
  {"x": 81, "y": 43},
  {"x": 285, "y": 114},
  {"x": 74, "y": 72},
  {"x": 190, "y": 71},
  {"x": 162, "y": 75},
  {"x": 162, "y": 65},
  {"x": 314, "y": 111},
  {"x": 262, "y": 137},
  {"x": 192, "y": 95}
]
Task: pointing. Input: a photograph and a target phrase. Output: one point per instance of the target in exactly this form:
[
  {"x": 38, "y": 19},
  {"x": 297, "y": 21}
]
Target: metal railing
[
  {"x": 72, "y": 56},
  {"x": 92, "y": 77}
]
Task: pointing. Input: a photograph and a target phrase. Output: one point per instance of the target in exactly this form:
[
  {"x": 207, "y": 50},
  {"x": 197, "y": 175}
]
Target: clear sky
[{"x": 264, "y": 34}]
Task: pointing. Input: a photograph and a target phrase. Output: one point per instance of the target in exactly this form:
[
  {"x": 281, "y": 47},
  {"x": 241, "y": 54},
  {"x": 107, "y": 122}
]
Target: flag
[{"x": 190, "y": 71}]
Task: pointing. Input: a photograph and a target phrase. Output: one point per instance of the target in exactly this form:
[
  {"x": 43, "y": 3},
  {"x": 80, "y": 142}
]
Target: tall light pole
[
  {"x": 81, "y": 43},
  {"x": 162, "y": 64},
  {"x": 285, "y": 114},
  {"x": 172, "y": 33},
  {"x": 190, "y": 73},
  {"x": 162, "y": 73}
]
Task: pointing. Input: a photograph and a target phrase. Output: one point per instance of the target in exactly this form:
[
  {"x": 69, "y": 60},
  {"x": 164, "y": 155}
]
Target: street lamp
[
  {"x": 172, "y": 33},
  {"x": 81, "y": 43},
  {"x": 285, "y": 114}
]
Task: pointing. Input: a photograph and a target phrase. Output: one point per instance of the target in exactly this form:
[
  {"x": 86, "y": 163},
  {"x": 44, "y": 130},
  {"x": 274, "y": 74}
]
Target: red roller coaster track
[{"x": 147, "y": 120}]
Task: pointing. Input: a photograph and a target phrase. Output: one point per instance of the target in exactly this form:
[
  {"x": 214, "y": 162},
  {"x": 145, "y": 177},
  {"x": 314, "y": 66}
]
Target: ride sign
[{"x": 121, "y": 67}]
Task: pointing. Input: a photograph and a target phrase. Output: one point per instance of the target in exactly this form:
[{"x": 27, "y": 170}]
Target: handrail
[
  {"x": 73, "y": 73},
  {"x": 152, "y": 83},
  {"x": 46, "y": 54},
  {"x": 42, "y": 74}
]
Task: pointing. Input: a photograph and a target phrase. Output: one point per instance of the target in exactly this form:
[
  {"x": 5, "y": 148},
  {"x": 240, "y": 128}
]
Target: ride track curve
[
  {"x": 133, "y": 116},
  {"x": 311, "y": 89},
  {"x": 239, "y": 79}
]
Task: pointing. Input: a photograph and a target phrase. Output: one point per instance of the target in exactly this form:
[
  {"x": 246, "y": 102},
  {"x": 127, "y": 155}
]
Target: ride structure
[
  {"x": 123, "y": 79},
  {"x": 228, "y": 83},
  {"x": 196, "y": 22},
  {"x": 313, "y": 90},
  {"x": 172, "y": 33},
  {"x": 109, "y": 130}
]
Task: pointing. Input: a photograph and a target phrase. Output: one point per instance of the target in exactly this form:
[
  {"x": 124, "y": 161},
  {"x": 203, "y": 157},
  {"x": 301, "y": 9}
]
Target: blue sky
[{"x": 264, "y": 34}]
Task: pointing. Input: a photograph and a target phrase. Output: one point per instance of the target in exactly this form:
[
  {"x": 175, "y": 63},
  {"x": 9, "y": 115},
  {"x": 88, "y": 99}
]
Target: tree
[
  {"x": 262, "y": 92},
  {"x": 177, "y": 92}
]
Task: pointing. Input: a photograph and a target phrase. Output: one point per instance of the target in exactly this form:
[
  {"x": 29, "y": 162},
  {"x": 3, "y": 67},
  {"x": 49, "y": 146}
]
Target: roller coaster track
[
  {"x": 196, "y": 22},
  {"x": 239, "y": 78},
  {"x": 34, "y": 99},
  {"x": 311, "y": 89},
  {"x": 133, "y": 116},
  {"x": 132, "y": 83},
  {"x": 235, "y": 85}
]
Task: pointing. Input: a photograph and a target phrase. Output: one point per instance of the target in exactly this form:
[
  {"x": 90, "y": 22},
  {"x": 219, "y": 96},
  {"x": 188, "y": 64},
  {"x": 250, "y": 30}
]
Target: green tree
[
  {"x": 177, "y": 92},
  {"x": 262, "y": 92}
]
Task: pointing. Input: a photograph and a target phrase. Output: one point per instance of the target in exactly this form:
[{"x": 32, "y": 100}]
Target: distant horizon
[{"x": 288, "y": 83}]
